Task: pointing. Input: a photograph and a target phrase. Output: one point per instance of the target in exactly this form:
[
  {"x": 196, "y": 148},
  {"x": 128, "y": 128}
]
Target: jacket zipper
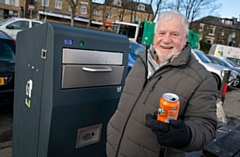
[
  {"x": 151, "y": 90},
  {"x": 162, "y": 151}
]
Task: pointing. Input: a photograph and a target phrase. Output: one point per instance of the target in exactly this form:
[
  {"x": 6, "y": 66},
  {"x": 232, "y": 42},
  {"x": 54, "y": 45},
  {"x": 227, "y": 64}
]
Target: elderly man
[{"x": 166, "y": 67}]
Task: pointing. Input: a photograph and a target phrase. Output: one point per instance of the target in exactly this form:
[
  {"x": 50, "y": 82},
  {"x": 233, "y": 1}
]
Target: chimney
[{"x": 234, "y": 19}]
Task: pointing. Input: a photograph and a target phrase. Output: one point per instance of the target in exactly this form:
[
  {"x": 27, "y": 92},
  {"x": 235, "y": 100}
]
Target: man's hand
[{"x": 173, "y": 134}]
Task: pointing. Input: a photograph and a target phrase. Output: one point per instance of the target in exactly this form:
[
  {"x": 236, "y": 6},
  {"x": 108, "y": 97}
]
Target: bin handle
[{"x": 96, "y": 69}]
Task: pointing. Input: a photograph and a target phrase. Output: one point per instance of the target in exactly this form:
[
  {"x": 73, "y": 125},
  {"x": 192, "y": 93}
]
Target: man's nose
[{"x": 166, "y": 39}]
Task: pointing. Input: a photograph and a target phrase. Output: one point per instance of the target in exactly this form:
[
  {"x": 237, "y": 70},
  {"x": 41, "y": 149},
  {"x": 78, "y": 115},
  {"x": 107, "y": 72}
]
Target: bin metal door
[
  {"x": 84, "y": 68},
  {"x": 29, "y": 70}
]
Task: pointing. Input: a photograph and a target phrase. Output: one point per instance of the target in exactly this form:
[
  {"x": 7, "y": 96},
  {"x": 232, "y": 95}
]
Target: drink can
[{"x": 168, "y": 107}]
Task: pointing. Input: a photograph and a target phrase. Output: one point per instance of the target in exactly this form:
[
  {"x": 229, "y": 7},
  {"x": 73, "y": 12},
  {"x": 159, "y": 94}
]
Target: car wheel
[
  {"x": 218, "y": 81},
  {"x": 238, "y": 85}
]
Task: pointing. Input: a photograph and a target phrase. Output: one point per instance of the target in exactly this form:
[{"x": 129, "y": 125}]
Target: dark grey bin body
[{"x": 56, "y": 98}]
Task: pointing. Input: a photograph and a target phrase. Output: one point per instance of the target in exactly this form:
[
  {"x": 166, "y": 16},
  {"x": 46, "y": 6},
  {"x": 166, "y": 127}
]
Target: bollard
[{"x": 224, "y": 86}]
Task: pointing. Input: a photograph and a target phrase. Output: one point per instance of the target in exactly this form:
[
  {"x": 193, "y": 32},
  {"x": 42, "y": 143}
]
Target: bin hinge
[{"x": 44, "y": 54}]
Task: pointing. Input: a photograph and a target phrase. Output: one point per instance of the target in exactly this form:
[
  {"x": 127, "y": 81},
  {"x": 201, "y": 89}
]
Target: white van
[
  {"x": 232, "y": 53},
  {"x": 14, "y": 25}
]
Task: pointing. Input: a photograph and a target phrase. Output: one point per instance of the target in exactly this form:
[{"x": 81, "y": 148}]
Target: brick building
[
  {"x": 59, "y": 11},
  {"x": 215, "y": 30}
]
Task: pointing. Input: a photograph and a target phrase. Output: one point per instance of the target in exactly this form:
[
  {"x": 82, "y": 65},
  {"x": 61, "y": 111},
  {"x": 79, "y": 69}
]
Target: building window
[
  {"x": 212, "y": 30},
  {"x": 58, "y": 4},
  {"x": 228, "y": 22},
  {"x": 1, "y": 14},
  {"x": 96, "y": 12},
  {"x": 45, "y": 3},
  {"x": 133, "y": 19},
  {"x": 109, "y": 14},
  {"x": 121, "y": 17},
  {"x": 117, "y": 2},
  {"x": 201, "y": 27},
  {"x": 141, "y": 7},
  {"x": 223, "y": 33},
  {"x": 10, "y": 2},
  {"x": 83, "y": 8},
  {"x": 233, "y": 35}
]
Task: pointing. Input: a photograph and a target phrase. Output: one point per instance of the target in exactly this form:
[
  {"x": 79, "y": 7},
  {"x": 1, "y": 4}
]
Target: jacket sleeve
[{"x": 201, "y": 116}]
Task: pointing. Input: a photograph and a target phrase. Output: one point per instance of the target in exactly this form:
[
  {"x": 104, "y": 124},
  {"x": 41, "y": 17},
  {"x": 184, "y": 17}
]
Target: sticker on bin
[{"x": 1, "y": 81}]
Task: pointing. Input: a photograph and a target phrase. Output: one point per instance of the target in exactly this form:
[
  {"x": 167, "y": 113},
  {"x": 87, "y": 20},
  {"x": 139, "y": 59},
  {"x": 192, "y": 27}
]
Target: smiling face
[{"x": 170, "y": 37}]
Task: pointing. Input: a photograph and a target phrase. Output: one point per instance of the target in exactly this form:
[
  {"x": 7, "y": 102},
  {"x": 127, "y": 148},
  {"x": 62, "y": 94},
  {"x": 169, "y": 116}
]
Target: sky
[{"x": 229, "y": 9}]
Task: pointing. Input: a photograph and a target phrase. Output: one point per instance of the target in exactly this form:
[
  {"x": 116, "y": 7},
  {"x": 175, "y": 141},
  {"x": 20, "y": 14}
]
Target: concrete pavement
[
  {"x": 6, "y": 149},
  {"x": 231, "y": 104}
]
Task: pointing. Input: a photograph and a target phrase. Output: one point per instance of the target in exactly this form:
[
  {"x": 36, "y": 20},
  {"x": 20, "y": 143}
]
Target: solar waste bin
[{"x": 68, "y": 83}]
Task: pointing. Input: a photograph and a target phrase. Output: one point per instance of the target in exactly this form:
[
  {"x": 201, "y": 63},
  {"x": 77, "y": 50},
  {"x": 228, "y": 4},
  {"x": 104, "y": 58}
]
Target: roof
[{"x": 212, "y": 20}]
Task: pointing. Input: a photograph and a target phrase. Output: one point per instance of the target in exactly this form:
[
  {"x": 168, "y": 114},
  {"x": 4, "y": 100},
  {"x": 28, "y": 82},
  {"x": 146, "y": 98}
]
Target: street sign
[{"x": 31, "y": 7}]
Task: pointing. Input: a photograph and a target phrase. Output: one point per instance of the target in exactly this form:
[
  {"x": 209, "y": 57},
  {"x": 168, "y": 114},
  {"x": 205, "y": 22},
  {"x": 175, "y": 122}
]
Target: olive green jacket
[{"x": 127, "y": 135}]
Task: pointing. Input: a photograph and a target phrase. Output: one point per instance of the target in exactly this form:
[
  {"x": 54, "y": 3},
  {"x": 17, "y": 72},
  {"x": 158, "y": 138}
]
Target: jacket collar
[{"x": 184, "y": 57}]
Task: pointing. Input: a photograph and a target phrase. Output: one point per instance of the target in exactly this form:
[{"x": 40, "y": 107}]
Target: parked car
[
  {"x": 7, "y": 63},
  {"x": 134, "y": 50},
  {"x": 226, "y": 63},
  {"x": 215, "y": 69},
  {"x": 236, "y": 61},
  {"x": 13, "y": 25}
]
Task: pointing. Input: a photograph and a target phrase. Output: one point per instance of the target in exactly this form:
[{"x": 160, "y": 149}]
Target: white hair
[{"x": 169, "y": 15}]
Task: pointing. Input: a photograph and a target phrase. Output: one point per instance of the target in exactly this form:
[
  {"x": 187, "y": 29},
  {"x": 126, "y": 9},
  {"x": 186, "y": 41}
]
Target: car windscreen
[
  {"x": 127, "y": 30},
  {"x": 7, "y": 51},
  {"x": 202, "y": 56}
]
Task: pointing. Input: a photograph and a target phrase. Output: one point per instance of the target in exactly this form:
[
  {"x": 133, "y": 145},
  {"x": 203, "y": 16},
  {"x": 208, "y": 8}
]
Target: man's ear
[{"x": 186, "y": 38}]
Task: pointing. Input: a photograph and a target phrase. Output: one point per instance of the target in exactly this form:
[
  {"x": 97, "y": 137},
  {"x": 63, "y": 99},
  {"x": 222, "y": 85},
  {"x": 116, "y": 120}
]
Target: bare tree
[
  {"x": 158, "y": 6},
  {"x": 91, "y": 8},
  {"x": 133, "y": 11},
  {"x": 105, "y": 14},
  {"x": 123, "y": 13},
  {"x": 175, "y": 5},
  {"x": 149, "y": 10},
  {"x": 73, "y": 6},
  {"x": 193, "y": 9}
]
